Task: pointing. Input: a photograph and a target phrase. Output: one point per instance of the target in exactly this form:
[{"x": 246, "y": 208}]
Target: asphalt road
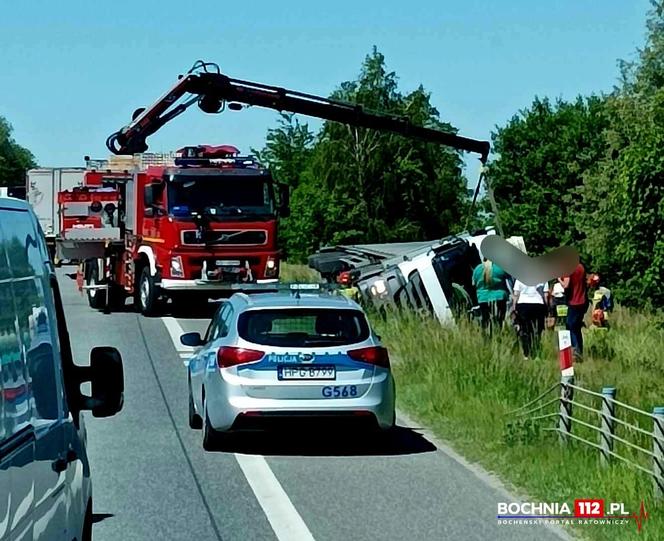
[{"x": 152, "y": 480}]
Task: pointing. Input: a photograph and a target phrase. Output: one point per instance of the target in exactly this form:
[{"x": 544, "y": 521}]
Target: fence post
[
  {"x": 565, "y": 419},
  {"x": 607, "y": 424},
  {"x": 658, "y": 452}
]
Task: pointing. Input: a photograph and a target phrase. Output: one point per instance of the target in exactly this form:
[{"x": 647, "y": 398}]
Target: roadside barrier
[{"x": 609, "y": 419}]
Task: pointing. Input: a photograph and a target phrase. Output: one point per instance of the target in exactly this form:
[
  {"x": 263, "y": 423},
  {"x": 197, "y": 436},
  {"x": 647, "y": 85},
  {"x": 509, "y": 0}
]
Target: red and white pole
[
  {"x": 565, "y": 353},
  {"x": 565, "y": 356}
]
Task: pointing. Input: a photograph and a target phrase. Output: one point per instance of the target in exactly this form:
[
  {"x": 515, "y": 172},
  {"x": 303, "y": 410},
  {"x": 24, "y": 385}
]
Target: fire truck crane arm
[{"x": 212, "y": 90}]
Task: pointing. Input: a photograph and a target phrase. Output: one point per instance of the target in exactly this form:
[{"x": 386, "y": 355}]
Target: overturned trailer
[{"x": 431, "y": 276}]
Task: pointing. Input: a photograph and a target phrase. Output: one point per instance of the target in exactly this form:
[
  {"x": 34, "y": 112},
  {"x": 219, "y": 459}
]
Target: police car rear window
[{"x": 303, "y": 327}]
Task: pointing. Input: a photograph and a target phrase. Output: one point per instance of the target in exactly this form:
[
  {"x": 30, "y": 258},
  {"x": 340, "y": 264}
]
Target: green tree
[
  {"x": 360, "y": 185},
  {"x": 385, "y": 187},
  {"x": 288, "y": 149},
  {"x": 543, "y": 153},
  {"x": 14, "y": 159},
  {"x": 626, "y": 189}
]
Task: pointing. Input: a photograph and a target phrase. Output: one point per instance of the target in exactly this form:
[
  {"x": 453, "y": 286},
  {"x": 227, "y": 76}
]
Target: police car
[{"x": 287, "y": 355}]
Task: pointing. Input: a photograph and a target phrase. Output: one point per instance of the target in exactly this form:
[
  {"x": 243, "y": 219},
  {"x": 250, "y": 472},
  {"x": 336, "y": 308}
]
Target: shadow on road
[
  {"x": 401, "y": 441},
  {"x": 98, "y": 517},
  {"x": 193, "y": 307}
]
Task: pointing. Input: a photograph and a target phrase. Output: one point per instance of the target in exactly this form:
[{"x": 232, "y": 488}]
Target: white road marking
[
  {"x": 175, "y": 330},
  {"x": 279, "y": 510},
  {"x": 286, "y": 522}
]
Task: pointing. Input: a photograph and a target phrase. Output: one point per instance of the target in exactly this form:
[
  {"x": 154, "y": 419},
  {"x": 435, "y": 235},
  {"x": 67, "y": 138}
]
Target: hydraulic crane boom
[{"x": 206, "y": 85}]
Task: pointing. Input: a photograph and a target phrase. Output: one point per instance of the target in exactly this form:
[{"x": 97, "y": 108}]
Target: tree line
[
  {"x": 15, "y": 160},
  {"x": 588, "y": 172}
]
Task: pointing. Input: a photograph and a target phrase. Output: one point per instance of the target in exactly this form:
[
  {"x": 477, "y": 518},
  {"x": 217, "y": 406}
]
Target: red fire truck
[
  {"x": 207, "y": 224},
  {"x": 199, "y": 228}
]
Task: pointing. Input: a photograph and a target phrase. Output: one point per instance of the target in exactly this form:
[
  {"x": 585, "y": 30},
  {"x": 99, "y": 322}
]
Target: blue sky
[{"x": 73, "y": 71}]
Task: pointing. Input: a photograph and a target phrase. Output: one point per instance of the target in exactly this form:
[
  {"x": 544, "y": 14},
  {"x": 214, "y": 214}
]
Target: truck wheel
[
  {"x": 147, "y": 294},
  {"x": 96, "y": 297}
]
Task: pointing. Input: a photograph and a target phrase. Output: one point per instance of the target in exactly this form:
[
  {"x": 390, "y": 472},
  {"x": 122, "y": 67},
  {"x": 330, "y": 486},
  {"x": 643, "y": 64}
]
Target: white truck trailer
[{"x": 42, "y": 187}]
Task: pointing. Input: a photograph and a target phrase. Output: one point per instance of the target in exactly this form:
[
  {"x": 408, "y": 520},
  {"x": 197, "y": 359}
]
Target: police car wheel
[
  {"x": 211, "y": 438},
  {"x": 195, "y": 420}
]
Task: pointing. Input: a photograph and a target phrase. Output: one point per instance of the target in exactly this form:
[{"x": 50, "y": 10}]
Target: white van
[{"x": 45, "y": 488}]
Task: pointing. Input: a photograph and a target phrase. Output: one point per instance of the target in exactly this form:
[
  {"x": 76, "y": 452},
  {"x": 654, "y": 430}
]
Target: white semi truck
[{"x": 42, "y": 187}]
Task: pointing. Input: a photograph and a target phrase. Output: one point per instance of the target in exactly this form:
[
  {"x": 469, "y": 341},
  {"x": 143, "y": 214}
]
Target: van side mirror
[
  {"x": 106, "y": 378},
  {"x": 191, "y": 339},
  {"x": 284, "y": 200}
]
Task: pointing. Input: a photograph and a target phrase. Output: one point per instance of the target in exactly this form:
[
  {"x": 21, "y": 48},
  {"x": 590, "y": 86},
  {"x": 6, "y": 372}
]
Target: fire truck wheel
[
  {"x": 148, "y": 296},
  {"x": 96, "y": 297}
]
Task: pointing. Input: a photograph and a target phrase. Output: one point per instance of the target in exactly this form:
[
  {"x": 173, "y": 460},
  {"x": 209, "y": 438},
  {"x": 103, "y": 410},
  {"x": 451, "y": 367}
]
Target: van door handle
[{"x": 59, "y": 465}]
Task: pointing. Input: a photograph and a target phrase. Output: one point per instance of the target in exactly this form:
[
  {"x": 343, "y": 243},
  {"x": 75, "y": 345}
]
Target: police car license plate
[{"x": 312, "y": 372}]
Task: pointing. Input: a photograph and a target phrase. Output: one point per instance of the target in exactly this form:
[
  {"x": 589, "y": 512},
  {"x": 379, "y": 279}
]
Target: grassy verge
[
  {"x": 462, "y": 385},
  {"x": 297, "y": 273}
]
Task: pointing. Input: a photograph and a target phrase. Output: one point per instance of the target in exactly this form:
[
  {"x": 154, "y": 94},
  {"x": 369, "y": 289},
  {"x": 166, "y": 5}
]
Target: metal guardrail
[{"x": 605, "y": 428}]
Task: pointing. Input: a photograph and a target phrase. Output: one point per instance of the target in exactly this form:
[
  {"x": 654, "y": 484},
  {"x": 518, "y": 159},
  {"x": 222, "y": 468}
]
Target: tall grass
[
  {"x": 463, "y": 384},
  {"x": 297, "y": 273}
]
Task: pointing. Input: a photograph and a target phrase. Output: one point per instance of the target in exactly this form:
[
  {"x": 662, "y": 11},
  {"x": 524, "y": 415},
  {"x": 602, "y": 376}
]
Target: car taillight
[
  {"x": 229, "y": 356},
  {"x": 372, "y": 355},
  {"x": 344, "y": 278}
]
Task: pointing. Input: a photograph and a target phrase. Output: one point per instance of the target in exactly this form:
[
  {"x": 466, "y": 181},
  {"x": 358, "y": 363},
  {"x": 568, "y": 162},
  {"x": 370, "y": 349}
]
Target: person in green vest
[{"x": 490, "y": 282}]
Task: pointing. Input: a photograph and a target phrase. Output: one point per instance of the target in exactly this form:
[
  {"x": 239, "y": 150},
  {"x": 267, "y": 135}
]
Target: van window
[
  {"x": 15, "y": 411},
  {"x": 29, "y": 287}
]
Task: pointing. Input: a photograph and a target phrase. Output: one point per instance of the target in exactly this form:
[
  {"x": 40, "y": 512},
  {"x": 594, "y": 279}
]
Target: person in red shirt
[{"x": 577, "y": 301}]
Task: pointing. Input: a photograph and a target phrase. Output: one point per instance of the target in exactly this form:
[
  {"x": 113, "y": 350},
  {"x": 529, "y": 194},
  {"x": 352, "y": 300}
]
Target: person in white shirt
[{"x": 530, "y": 304}]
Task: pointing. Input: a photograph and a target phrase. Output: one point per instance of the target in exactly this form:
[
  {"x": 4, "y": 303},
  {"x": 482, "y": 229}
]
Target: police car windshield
[
  {"x": 221, "y": 196},
  {"x": 303, "y": 327}
]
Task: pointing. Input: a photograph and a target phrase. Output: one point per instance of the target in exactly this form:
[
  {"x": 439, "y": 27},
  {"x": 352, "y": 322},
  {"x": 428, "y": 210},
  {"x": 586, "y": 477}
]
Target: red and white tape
[{"x": 565, "y": 353}]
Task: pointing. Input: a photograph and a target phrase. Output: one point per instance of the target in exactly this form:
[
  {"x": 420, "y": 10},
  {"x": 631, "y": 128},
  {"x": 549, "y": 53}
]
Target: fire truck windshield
[{"x": 220, "y": 196}]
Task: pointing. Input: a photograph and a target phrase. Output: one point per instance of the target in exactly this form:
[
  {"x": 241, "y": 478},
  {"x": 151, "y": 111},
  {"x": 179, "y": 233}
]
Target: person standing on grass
[
  {"x": 490, "y": 282},
  {"x": 530, "y": 304},
  {"x": 577, "y": 305}
]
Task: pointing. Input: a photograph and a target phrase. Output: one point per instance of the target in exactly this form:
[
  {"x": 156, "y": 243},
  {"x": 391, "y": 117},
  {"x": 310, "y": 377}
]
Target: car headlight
[
  {"x": 177, "y": 269},
  {"x": 271, "y": 268}
]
